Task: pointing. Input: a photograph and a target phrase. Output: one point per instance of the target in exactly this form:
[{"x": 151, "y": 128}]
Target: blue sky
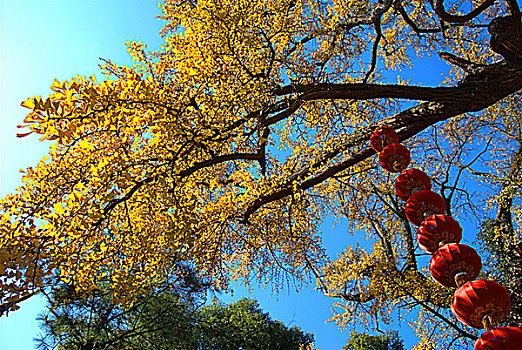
[{"x": 42, "y": 40}]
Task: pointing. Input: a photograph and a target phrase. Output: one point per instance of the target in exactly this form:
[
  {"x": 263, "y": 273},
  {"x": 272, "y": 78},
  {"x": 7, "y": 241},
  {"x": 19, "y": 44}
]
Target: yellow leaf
[
  {"x": 58, "y": 209},
  {"x": 56, "y": 85},
  {"x": 28, "y": 104}
]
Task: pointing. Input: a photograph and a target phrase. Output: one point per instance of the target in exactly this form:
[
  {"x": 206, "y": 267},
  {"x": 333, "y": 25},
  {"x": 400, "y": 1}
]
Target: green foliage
[
  {"x": 503, "y": 262},
  {"x": 362, "y": 341},
  {"x": 495, "y": 245},
  {"x": 78, "y": 321},
  {"x": 161, "y": 320},
  {"x": 244, "y": 325}
]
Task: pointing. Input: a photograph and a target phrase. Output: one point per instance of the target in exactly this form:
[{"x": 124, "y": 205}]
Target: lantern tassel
[
  {"x": 461, "y": 278},
  {"x": 397, "y": 166},
  {"x": 488, "y": 323}
]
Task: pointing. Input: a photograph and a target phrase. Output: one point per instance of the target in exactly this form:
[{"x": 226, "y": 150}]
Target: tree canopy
[
  {"x": 223, "y": 152},
  {"x": 160, "y": 320},
  {"x": 363, "y": 341}
]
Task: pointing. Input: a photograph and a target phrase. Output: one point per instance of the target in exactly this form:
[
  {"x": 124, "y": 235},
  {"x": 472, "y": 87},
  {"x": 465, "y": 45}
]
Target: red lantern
[
  {"x": 501, "y": 338},
  {"x": 411, "y": 181},
  {"x": 394, "y": 158},
  {"x": 436, "y": 230},
  {"x": 382, "y": 137},
  {"x": 423, "y": 204},
  {"x": 478, "y": 300},
  {"x": 455, "y": 261}
]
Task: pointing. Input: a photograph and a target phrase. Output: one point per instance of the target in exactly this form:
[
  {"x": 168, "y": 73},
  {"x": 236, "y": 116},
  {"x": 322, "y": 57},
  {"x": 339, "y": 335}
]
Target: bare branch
[
  {"x": 438, "y": 6},
  {"x": 465, "y": 64},
  {"x": 375, "y": 47},
  {"x": 513, "y": 8},
  {"x": 4, "y": 308},
  {"x": 413, "y": 25}
]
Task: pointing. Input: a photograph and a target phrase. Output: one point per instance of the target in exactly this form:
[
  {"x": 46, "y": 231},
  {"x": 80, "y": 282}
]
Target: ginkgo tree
[{"x": 224, "y": 151}]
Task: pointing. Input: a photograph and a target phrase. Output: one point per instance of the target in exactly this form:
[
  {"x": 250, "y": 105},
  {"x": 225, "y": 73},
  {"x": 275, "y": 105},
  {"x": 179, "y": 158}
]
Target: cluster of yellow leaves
[
  {"x": 436, "y": 335},
  {"x": 372, "y": 288}
]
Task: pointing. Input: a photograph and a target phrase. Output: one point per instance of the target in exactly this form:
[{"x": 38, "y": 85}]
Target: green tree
[
  {"x": 161, "y": 320},
  {"x": 362, "y": 341},
  {"x": 243, "y": 325},
  {"x": 85, "y": 321}
]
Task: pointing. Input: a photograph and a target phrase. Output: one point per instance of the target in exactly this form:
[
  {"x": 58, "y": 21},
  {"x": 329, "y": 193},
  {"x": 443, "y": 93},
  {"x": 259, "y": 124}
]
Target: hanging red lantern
[
  {"x": 394, "y": 158},
  {"x": 423, "y": 204},
  {"x": 411, "y": 181},
  {"x": 437, "y": 230},
  {"x": 382, "y": 137},
  {"x": 454, "y": 264},
  {"x": 481, "y": 302},
  {"x": 501, "y": 338}
]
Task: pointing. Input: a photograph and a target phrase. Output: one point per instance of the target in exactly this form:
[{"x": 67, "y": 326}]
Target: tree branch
[
  {"x": 356, "y": 138},
  {"x": 438, "y": 6},
  {"x": 413, "y": 25},
  {"x": 460, "y": 62},
  {"x": 513, "y": 8},
  {"x": 375, "y": 47},
  {"x": 4, "y": 308},
  {"x": 362, "y": 91},
  {"x": 219, "y": 159},
  {"x": 425, "y": 305},
  {"x": 506, "y": 38}
]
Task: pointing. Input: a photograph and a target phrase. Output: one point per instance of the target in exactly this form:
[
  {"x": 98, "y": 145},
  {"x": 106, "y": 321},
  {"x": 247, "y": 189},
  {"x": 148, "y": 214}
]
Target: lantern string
[{"x": 379, "y": 140}]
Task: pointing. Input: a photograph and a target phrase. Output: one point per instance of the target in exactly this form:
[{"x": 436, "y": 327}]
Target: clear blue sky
[{"x": 42, "y": 40}]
